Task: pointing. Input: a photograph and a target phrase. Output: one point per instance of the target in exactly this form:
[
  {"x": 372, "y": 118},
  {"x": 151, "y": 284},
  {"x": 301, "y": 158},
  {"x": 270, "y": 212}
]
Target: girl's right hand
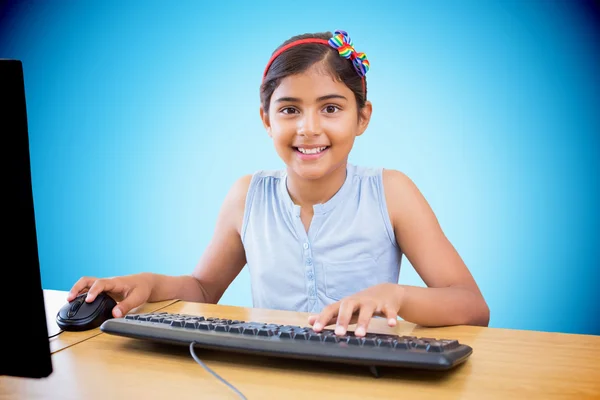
[{"x": 129, "y": 291}]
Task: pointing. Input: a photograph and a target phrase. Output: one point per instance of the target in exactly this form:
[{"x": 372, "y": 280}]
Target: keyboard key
[
  {"x": 205, "y": 325},
  {"x": 419, "y": 344},
  {"x": 354, "y": 340},
  {"x": 436, "y": 346},
  {"x": 315, "y": 337},
  {"x": 330, "y": 339},
  {"x": 178, "y": 322},
  {"x": 266, "y": 332},
  {"x": 402, "y": 344},
  {"x": 370, "y": 342},
  {"x": 190, "y": 324},
  {"x": 287, "y": 335},
  {"x": 449, "y": 344},
  {"x": 301, "y": 335},
  {"x": 222, "y": 328},
  {"x": 250, "y": 331}
]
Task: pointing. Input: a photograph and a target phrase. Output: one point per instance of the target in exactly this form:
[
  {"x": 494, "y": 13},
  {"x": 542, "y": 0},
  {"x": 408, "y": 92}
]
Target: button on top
[
  {"x": 305, "y": 246},
  {"x": 309, "y": 261}
]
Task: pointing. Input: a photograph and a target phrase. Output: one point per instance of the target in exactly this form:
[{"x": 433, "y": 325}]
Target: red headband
[
  {"x": 287, "y": 46},
  {"x": 341, "y": 42}
]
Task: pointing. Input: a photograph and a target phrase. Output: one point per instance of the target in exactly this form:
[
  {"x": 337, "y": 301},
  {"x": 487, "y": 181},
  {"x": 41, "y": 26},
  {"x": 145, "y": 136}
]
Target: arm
[
  {"x": 452, "y": 296},
  {"x": 221, "y": 262}
]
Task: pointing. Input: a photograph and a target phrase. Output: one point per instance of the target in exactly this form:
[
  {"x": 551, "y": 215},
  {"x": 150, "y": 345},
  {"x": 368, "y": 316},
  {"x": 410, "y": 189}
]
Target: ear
[
  {"x": 364, "y": 117},
  {"x": 264, "y": 116}
]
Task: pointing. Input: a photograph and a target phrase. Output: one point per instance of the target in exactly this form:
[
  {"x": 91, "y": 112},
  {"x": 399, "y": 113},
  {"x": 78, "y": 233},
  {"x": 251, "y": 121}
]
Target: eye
[
  {"x": 288, "y": 110},
  {"x": 330, "y": 109}
]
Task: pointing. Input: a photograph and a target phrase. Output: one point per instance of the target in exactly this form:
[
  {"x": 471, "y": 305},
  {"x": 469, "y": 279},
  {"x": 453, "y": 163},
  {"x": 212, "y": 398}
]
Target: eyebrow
[{"x": 322, "y": 98}]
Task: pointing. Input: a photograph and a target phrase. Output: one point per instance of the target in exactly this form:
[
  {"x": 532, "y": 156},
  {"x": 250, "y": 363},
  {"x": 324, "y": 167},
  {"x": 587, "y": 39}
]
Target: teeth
[{"x": 311, "y": 151}]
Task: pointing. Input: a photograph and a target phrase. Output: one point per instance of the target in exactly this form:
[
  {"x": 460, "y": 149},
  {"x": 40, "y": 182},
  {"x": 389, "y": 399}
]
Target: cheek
[
  {"x": 280, "y": 141},
  {"x": 282, "y": 132},
  {"x": 341, "y": 132}
]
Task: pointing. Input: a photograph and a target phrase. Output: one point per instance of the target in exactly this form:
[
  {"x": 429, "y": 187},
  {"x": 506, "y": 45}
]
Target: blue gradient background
[{"x": 143, "y": 113}]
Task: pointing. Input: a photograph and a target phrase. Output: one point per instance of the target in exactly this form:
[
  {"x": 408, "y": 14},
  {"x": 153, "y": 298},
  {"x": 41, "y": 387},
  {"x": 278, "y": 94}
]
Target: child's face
[{"x": 313, "y": 120}]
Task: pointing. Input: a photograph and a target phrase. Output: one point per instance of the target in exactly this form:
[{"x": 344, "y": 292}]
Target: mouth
[{"x": 311, "y": 151}]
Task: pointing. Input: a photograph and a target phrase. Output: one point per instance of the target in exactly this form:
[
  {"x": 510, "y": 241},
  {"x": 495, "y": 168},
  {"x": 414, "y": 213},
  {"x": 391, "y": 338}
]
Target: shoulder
[
  {"x": 239, "y": 189},
  {"x": 401, "y": 194},
  {"x": 396, "y": 181},
  {"x": 244, "y": 191},
  {"x": 235, "y": 200},
  {"x": 264, "y": 183},
  {"x": 242, "y": 187}
]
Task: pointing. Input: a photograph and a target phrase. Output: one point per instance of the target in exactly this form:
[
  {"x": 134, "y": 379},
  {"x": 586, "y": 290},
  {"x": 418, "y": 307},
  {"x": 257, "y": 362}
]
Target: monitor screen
[{"x": 26, "y": 347}]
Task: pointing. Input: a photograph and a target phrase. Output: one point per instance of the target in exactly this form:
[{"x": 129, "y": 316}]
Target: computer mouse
[{"x": 77, "y": 315}]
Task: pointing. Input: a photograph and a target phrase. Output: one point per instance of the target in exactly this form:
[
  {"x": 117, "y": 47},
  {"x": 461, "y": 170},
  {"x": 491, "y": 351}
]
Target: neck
[{"x": 308, "y": 192}]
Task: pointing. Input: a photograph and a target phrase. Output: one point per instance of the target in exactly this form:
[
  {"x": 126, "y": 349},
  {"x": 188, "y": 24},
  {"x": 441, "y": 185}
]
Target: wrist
[
  {"x": 148, "y": 278},
  {"x": 400, "y": 298}
]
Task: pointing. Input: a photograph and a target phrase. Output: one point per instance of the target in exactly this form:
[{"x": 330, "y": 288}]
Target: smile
[{"x": 315, "y": 150}]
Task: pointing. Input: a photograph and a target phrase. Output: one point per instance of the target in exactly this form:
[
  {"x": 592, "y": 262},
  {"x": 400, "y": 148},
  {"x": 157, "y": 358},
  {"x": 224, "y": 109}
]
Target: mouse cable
[
  {"x": 212, "y": 372},
  {"x": 56, "y": 334}
]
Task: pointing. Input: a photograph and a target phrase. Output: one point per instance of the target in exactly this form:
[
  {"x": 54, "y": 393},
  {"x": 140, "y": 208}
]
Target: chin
[{"x": 310, "y": 172}]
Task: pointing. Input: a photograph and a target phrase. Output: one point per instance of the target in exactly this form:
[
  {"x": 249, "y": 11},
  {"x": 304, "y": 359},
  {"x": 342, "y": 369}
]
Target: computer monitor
[{"x": 25, "y": 344}]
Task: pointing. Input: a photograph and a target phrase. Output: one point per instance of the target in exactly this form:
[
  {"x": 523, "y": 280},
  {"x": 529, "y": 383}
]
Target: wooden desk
[
  {"x": 55, "y": 299},
  {"x": 506, "y": 364}
]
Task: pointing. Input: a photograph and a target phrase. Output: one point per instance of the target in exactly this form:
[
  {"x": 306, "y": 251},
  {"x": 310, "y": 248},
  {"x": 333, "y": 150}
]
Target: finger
[
  {"x": 326, "y": 316},
  {"x": 364, "y": 317},
  {"x": 313, "y": 318},
  {"x": 135, "y": 298},
  {"x": 80, "y": 286},
  {"x": 391, "y": 314},
  {"x": 353, "y": 319},
  {"x": 101, "y": 285},
  {"x": 347, "y": 309}
]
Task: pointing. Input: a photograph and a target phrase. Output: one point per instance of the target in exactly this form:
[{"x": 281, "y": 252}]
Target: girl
[{"x": 322, "y": 236}]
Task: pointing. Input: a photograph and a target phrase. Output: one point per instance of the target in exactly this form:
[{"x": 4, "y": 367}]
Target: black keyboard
[{"x": 289, "y": 341}]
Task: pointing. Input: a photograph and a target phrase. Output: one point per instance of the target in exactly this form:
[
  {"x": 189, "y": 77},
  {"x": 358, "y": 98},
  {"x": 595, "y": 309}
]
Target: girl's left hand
[{"x": 380, "y": 300}]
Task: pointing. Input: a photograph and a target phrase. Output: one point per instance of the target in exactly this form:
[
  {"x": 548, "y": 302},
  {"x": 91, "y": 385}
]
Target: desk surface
[{"x": 504, "y": 364}]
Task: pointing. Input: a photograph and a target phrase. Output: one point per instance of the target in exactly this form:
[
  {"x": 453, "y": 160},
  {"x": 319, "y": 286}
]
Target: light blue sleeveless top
[{"x": 350, "y": 244}]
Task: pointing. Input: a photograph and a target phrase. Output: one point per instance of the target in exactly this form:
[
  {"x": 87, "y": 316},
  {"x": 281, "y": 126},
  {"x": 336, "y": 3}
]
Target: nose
[{"x": 309, "y": 125}]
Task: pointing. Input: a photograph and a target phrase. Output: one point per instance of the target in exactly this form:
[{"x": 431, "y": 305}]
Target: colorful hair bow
[{"x": 342, "y": 42}]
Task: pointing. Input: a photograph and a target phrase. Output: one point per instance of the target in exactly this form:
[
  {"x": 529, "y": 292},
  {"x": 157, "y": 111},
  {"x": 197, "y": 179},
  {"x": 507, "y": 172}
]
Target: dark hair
[{"x": 299, "y": 58}]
